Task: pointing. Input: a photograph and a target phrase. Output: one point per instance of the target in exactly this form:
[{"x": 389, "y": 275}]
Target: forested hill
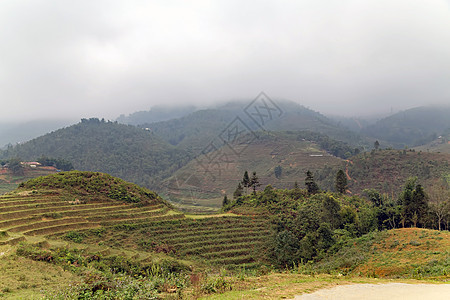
[
  {"x": 156, "y": 114},
  {"x": 124, "y": 151},
  {"x": 196, "y": 130},
  {"x": 412, "y": 127}
]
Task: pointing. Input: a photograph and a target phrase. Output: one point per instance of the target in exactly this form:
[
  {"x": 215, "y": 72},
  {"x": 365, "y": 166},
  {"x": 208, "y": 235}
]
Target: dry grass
[
  {"x": 22, "y": 278},
  {"x": 404, "y": 249}
]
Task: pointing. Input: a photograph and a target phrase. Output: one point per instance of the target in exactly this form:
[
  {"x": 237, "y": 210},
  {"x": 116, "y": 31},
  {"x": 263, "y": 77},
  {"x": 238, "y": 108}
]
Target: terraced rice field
[
  {"x": 49, "y": 214},
  {"x": 227, "y": 240},
  {"x": 224, "y": 240}
]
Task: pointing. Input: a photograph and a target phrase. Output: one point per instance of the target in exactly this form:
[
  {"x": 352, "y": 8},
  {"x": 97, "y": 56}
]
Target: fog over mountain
[{"x": 106, "y": 58}]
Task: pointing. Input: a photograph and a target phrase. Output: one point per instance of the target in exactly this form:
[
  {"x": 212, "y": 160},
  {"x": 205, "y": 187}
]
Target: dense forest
[
  {"x": 98, "y": 145},
  {"x": 312, "y": 224}
]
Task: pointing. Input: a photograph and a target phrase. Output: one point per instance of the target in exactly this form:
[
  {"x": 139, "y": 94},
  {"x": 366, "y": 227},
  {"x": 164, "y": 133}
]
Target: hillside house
[{"x": 31, "y": 164}]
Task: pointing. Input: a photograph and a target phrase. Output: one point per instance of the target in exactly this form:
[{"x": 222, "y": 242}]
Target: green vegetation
[
  {"x": 128, "y": 152},
  {"x": 93, "y": 184},
  {"x": 387, "y": 170},
  {"x": 109, "y": 277},
  {"x": 113, "y": 239},
  {"x": 228, "y": 241},
  {"x": 311, "y": 227}
]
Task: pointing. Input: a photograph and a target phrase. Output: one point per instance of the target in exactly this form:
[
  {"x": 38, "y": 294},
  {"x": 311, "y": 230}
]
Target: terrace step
[
  {"x": 29, "y": 212},
  {"x": 125, "y": 214},
  {"x": 61, "y": 228},
  {"x": 243, "y": 259},
  {"x": 219, "y": 236},
  {"x": 142, "y": 222},
  {"x": 42, "y": 224},
  {"x": 225, "y": 254},
  {"x": 20, "y": 221},
  {"x": 220, "y": 247},
  {"x": 194, "y": 233},
  {"x": 185, "y": 245},
  {"x": 14, "y": 202},
  {"x": 22, "y": 207}
]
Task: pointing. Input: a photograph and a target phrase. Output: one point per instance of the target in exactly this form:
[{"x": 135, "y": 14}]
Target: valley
[{"x": 163, "y": 210}]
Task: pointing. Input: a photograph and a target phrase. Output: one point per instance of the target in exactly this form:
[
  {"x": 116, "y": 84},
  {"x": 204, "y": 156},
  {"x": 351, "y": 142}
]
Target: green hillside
[
  {"x": 156, "y": 114},
  {"x": 94, "y": 222},
  {"x": 125, "y": 151},
  {"x": 204, "y": 181},
  {"x": 195, "y": 131},
  {"x": 329, "y": 232},
  {"x": 412, "y": 127},
  {"x": 95, "y": 235},
  {"x": 153, "y": 153},
  {"x": 387, "y": 170}
]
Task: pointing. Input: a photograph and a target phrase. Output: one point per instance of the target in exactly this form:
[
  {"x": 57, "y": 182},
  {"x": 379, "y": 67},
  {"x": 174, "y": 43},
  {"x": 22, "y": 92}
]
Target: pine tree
[
  {"x": 238, "y": 192},
  {"x": 225, "y": 201},
  {"x": 419, "y": 205},
  {"x": 311, "y": 185},
  {"x": 341, "y": 182},
  {"x": 254, "y": 182},
  {"x": 246, "y": 181}
]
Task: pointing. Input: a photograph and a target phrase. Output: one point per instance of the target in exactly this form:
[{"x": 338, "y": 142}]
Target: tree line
[{"x": 311, "y": 223}]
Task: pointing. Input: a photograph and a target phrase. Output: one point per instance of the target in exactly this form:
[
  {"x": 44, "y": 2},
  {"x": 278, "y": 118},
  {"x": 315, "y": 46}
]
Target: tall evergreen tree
[
  {"x": 254, "y": 182},
  {"x": 419, "y": 205},
  {"x": 414, "y": 203},
  {"x": 225, "y": 201},
  {"x": 246, "y": 181},
  {"x": 238, "y": 192},
  {"x": 311, "y": 185},
  {"x": 341, "y": 182}
]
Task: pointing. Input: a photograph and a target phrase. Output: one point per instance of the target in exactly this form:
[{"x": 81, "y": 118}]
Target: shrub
[
  {"x": 216, "y": 285},
  {"x": 75, "y": 236}
]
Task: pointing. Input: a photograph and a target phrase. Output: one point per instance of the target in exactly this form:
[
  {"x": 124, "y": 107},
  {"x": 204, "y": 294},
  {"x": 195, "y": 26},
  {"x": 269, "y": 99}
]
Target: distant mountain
[
  {"x": 12, "y": 133},
  {"x": 124, "y": 151},
  {"x": 156, "y": 114},
  {"x": 197, "y": 130},
  {"x": 412, "y": 127}
]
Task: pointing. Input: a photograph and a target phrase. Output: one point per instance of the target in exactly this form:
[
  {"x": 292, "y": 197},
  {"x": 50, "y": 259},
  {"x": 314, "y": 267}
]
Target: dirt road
[{"x": 381, "y": 292}]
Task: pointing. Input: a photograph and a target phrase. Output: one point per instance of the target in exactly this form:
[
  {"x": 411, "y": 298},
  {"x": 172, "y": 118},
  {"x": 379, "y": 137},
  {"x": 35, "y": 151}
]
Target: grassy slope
[
  {"x": 406, "y": 252},
  {"x": 203, "y": 184},
  {"x": 193, "y": 185},
  {"x": 22, "y": 278},
  {"x": 387, "y": 170}
]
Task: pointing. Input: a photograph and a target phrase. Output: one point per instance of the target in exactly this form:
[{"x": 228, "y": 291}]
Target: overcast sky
[{"x": 104, "y": 58}]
